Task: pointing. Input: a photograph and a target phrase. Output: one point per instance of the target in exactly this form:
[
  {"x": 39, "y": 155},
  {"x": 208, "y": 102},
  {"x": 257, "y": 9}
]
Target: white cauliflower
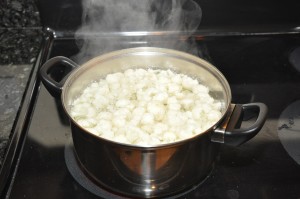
[{"x": 146, "y": 107}]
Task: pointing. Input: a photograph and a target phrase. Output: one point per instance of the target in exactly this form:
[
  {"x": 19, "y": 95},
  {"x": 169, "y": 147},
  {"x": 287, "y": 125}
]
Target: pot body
[{"x": 145, "y": 172}]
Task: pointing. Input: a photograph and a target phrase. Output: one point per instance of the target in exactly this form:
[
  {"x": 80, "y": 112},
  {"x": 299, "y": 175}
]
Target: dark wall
[
  {"x": 262, "y": 12},
  {"x": 66, "y": 14},
  {"x": 60, "y": 14}
]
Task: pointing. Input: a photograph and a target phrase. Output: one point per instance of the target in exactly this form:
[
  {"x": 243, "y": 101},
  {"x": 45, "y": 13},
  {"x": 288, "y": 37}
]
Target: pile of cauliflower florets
[{"x": 146, "y": 107}]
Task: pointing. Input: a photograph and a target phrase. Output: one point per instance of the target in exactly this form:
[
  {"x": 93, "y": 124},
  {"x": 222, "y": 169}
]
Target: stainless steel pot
[{"x": 161, "y": 170}]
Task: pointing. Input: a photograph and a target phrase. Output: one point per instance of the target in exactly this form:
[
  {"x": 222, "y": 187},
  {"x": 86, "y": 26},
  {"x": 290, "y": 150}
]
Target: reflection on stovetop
[{"x": 258, "y": 70}]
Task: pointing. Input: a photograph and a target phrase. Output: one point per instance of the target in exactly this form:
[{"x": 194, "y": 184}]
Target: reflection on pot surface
[{"x": 146, "y": 172}]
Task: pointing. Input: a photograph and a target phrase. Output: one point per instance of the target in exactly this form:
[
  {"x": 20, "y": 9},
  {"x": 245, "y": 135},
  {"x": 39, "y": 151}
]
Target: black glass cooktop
[{"x": 259, "y": 68}]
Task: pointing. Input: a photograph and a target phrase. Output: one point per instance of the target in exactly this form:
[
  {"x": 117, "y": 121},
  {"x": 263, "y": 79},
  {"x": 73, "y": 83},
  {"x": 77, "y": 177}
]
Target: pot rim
[{"x": 149, "y": 50}]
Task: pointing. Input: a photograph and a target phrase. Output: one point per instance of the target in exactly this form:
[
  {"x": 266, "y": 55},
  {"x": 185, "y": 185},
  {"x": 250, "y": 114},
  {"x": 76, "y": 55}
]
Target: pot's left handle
[{"x": 55, "y": 72}]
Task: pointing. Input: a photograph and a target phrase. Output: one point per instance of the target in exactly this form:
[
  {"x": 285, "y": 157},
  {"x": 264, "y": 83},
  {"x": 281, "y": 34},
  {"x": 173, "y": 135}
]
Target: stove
[{"x": 259, "y": 68}]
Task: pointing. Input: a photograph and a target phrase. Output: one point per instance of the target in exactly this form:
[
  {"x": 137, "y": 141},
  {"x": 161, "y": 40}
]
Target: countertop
[{"x": 20, "y": 39}]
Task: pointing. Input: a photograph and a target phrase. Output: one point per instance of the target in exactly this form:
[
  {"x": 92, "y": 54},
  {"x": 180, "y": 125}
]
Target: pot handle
[
  {"x": 233, "y": 133},
  {"x": 55, "y": 72}
]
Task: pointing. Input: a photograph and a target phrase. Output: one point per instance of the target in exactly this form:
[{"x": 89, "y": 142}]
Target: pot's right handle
[
  {"x": 235, "y": 135},
  {"x": 56, "y": 66}
]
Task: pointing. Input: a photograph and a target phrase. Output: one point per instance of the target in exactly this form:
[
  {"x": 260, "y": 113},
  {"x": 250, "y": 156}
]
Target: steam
[{"x": 109, "y": 25}]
